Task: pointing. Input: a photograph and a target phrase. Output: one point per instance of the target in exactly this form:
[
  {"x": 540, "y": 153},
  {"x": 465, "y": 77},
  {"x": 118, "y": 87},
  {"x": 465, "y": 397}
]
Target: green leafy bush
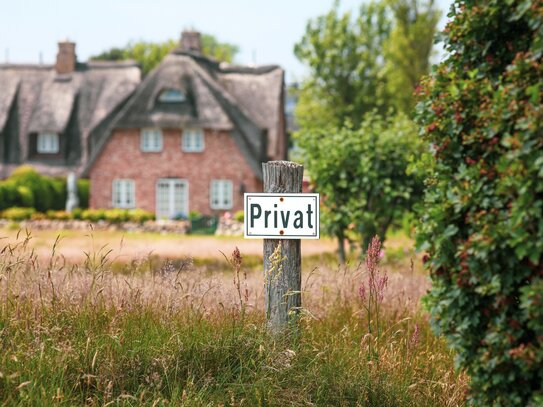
[
  {"x": 83, "y": 188},
  {"x": 58, "y": 185},
  {"x": 116, "y": 215},
  {"x": 58, "y": 215},
  {"x": 77, "y": 213},
  {"x": 25, "y": 197},
  {"x": 239, "y": 216},
  {"x": 8, "y": 194},
  {"x": 482, "y": 220},
  {"x": 18, "y": 214},
  {"x": 93, "y": 215},
  {"x": 39, "y": 191},
  {"x": 361, "y": 175},
  {"x": 38, "y": 185}
]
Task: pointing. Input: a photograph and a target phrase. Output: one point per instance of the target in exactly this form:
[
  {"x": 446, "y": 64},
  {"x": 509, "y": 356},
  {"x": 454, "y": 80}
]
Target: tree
[
  {"x": 361, "y": 175},
  {"x": 371, "y": 62},
  {"x": 150, "y": 54},
  {"x": 482, "y": 218},
  {"x": 354, "y": 82},
  {"x": 408, "y": 49},
  {"x": 344, "y": 58}
]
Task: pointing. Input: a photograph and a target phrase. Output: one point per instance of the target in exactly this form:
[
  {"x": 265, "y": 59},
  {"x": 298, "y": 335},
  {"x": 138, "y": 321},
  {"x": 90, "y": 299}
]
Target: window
[
  {"x": 221, "y": 194},
  {"x": 124, "y": 193},
  {"x": 47, "y": 143},
  {"x": 193, "y": 140},
  {"x": 171, "y": 96},
  {"x": 151, "y": 140}
]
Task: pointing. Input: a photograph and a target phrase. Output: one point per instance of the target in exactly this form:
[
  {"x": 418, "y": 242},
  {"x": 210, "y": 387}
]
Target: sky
[{"x": 265, "y": 31}]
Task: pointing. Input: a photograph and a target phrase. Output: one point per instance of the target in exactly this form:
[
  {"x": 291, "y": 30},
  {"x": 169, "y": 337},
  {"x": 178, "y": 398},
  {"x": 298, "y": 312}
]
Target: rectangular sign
[{"x": 281, "y": 216}]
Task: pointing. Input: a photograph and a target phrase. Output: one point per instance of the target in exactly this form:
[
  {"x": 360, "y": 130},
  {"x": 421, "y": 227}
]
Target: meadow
[{"x": 135, "y": 327}]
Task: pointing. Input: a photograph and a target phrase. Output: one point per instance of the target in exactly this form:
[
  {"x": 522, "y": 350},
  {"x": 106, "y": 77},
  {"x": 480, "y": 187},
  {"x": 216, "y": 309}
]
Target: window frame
[
  {"x": 220, "y": 185},
  {"x": 123, "y": 192},
  {"x": 187, "y": 140},
  {"x": 49, "y": 140},
  {"x": 145, "y": 134},
  {"x": 171, "y": 96}
]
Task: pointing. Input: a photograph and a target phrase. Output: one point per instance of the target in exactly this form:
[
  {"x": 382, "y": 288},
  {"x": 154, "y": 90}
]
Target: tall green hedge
[
  {"x": 29, "y": 189},
  {"x": 482, "y": 224}
]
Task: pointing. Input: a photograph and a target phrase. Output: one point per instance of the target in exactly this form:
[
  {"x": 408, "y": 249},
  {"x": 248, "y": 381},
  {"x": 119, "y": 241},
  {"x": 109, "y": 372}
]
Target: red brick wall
[{"x": 123, "y": 158}]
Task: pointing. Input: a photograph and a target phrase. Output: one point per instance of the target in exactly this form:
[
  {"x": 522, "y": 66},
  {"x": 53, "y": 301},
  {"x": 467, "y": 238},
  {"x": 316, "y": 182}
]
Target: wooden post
[{"x": 282, "y": 257}]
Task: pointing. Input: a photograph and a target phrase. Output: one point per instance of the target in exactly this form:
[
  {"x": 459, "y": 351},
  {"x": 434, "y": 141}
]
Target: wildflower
[{"x": 362, "y": 292}]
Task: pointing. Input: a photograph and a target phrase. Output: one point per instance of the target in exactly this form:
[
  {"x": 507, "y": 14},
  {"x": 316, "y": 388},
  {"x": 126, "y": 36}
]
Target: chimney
[
  {"x": 66, "y": 57},
  {"x": 191, "y": 42}
]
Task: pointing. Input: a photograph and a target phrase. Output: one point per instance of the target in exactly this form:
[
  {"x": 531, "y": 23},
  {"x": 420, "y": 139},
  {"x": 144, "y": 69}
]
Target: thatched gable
[
  {"x": 36, "y": 99},
  {"x": 247, "y": 101}
]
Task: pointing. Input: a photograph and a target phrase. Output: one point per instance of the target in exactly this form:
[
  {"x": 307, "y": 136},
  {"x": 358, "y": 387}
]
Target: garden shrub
[
  {"x": 17, "y": 213},
  {"x": 40, "y": 191},
  {"x": 58, "y": 186},
  {"x": 116, "y": 215},
  {"x": 83, "y": 187},
  {"x": 8, "y": 194},
  {"x": 239, "y": 216},
  {"x": 140, "y": 216},
  {"x": 39, "y": 186},
  {"x": 58, "y": 215},
  {"x": 93, "y": 215},
  {"x": 482, "y": 219},
  {"x": 77, "y": 213},
  {"x": 25, "y": 197}
]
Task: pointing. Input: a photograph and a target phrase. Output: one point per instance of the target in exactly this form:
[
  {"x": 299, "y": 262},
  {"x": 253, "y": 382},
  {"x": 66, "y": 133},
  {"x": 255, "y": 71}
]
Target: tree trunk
[
  {"x": 282, "y": 257},
  {"x": 341, "y": 247}
]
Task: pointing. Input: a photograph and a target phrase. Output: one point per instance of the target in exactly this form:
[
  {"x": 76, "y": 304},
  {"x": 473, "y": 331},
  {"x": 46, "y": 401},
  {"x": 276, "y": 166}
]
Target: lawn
[{"x": 179, "y": 331}]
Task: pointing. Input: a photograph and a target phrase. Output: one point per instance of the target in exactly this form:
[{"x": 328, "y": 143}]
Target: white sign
[{"x": 281, "y": 216}]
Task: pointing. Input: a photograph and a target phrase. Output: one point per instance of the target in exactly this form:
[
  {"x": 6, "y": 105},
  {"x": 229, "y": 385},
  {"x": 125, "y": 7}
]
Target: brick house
[
  {"x": 52, "y": 116},
  {"x": 192, "y": 137}
]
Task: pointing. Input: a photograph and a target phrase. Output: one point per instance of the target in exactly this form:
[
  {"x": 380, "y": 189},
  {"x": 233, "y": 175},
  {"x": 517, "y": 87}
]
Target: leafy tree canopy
[
  {"x": 371, "y": 61},
  {"x": 149, "y": 54},
  {"x": 361, "y": 175}
]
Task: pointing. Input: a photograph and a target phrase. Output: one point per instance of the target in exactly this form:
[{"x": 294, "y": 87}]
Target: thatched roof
[
  {"x": 244, "y": 100},
  {"x": 46, "y": 101}
]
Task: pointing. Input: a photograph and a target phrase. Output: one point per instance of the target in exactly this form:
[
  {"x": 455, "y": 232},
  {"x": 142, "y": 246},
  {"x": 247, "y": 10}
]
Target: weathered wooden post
[{"x": 282, "y": 257}]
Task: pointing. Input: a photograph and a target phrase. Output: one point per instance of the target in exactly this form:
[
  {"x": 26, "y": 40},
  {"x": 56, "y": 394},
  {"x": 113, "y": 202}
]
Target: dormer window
[
  {"x": 171, "y": 96},
  {"x": 193, "y": 140},
  {"x": 151, "y": 140},
  {"x": 48, "y": 143}
]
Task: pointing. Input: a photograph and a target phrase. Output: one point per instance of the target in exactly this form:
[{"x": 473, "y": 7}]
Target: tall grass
[{"x": 175, "y": 335}]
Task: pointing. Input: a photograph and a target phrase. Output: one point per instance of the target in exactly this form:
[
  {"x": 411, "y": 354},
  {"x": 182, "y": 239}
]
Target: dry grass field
[{"x": 104, "y": 319}]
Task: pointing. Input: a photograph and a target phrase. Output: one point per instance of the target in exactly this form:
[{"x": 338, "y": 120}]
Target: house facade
[
  {"x": 53, "y": 116},
  {"x": 192, "y": 137}
]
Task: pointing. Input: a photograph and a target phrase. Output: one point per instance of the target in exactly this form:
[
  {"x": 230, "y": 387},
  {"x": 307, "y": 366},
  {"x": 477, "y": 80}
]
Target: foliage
[
  {"x": 28, "y": 188},
  {"x": 33, "y": 188},
  {"x": 370, "y": 62},
  {"x": 116, "y": 215},
  {"x": 407, "y": 50},
  {"x": 482, "y": 220},
  {"x": 90, "y": 215},
  {"x": 83, "y": 190},
  {"x": 344, "y": 61},
  {"x": 60, "y": 192},
  {"x": 18, "y": 214},
  {"x": 361, "y": 174},
  {"x": 140, "y": 216},
  {"x": 150, "y": 54},
  {"x": 57, "y": 215},
  {"x": 239, "y": 216}
]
